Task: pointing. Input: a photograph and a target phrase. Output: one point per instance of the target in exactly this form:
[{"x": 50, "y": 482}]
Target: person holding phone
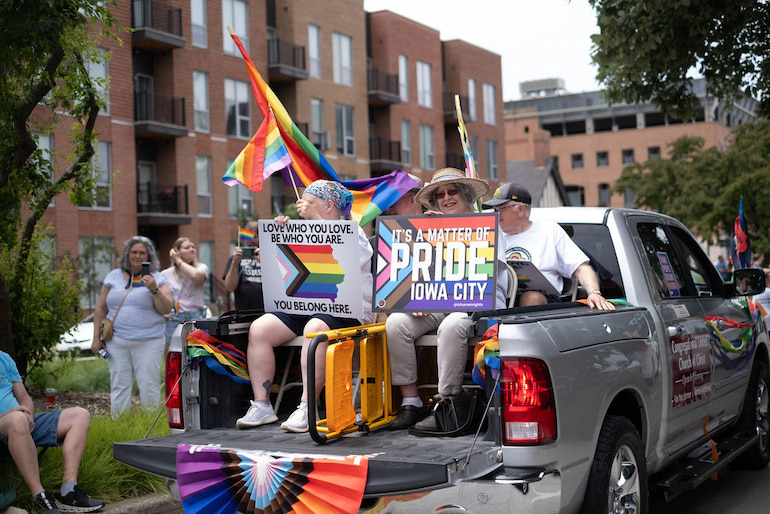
[
  {"x": 136, "y": 298},
  {"x": 243, "y": 273},
  {"x": 185, "y": 278}
]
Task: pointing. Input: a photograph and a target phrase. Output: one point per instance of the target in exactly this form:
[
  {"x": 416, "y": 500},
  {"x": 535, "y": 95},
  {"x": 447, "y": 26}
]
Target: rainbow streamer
[
  {"x": 220, "y": 357},
  {"x": 136, "y": 281},
  {"x": 308, "y": 164},
  {"x": 265, "y": 154}
]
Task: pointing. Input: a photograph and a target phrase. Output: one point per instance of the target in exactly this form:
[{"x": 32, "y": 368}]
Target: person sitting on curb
[{"x": 22, "y": 431}]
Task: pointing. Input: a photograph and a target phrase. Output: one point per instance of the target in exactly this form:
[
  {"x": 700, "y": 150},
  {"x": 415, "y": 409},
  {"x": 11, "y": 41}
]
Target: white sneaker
[
  {"x": 297, "y": 422},
  {"x": 257, "y": 415}
]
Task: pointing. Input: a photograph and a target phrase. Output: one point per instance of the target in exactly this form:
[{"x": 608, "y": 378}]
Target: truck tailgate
[{"x": 398, "y": 462}]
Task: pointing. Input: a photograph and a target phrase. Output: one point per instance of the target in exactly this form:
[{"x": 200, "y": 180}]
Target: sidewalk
[{"x": 156, "y": 503}]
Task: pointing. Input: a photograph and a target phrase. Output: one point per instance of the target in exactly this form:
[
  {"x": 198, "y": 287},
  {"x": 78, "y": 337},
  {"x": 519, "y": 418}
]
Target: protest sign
[
  {"x": 310, "y": 267},
  {"x": 435, "y": 263}
]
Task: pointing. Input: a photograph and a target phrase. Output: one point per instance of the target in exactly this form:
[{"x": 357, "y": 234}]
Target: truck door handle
[{"x": 674, "y": 331}]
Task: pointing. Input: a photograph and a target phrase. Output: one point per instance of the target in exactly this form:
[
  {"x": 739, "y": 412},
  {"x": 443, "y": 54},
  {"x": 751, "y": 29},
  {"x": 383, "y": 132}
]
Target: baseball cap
[{"x": 512, "y": 191}]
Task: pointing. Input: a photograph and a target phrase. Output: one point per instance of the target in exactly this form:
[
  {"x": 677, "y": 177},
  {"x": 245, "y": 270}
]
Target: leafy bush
[{"x": 67, "y": 374}]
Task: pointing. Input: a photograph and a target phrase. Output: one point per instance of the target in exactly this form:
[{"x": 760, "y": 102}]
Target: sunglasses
[
  {"x": 502, "y": 208},
  {"x": 450, "y": 192}
]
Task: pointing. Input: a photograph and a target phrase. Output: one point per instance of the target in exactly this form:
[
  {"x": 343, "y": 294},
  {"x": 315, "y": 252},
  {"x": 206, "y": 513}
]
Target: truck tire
[
  {"x": 754, "y": 418},
  {"x": 618, "y": 478}
]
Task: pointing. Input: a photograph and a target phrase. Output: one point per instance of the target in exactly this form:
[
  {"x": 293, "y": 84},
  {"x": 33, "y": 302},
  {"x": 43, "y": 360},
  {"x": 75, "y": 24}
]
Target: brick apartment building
[
  {"x": 589, "y": 141},
  {"x": 373, "y": 91}
]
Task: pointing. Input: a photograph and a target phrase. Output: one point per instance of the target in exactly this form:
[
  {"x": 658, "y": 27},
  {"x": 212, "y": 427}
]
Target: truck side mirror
[{"x": 748, "y": 281}]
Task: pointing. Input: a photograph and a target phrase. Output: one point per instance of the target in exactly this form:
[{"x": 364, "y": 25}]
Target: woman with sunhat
[
  {"x": 449, "y": 192},
  {"x": 321, "y": 200}
]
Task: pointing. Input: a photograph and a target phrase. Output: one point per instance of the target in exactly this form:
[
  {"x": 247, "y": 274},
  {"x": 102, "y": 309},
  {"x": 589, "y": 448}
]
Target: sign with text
[
  {"x": 311, "y": 267},
  {"x": 435, "y": 263}
]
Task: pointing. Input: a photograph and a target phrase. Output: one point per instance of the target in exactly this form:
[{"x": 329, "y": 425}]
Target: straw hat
[{"x": 450, "y": 176}]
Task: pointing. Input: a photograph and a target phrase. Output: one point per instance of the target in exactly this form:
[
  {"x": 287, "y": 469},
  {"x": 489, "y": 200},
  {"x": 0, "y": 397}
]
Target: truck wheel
[
  {"x": 617, "y": 482},
  {"x": 754, "y": 418}
]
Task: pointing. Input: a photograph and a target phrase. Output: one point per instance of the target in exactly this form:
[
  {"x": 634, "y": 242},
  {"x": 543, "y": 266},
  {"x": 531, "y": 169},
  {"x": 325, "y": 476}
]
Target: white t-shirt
[
  {"x": 183, "y": 292},
  {"x": 549, "y": 248}
]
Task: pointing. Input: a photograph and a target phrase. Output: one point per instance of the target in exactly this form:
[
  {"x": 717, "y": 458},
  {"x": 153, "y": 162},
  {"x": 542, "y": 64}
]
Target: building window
[
  {"x": 206, "y": 256},
  {"x": 427, "y": 149},
  {"x": 472, "y": 114},
  {"x": 628, "y": 199},
  {"x": 198, "y": 21},
  {"x": 653, "y": 153},
  {"x": 628, "y": 156},
  {"x": 346, "y": 140},
  {"x": 424, "y": 85},
  {"x": 576, "y": 196},
  {"x": 102, "y": 174},
  {"x": 602, "y": 159},
  {"x": 201, "y": 100},
  {"x": 577, "y": 161},
  {"x": 203, "y": 181},
  {"x": 239, "y": 198},
  {"x": 95, "y": 260},
  {"x": 235, "y": 14},
  {"x": 237, "y": 109},
  {"x": 342, "y": 48},
  {"x": 604, "y": 195},
  {"x": 492, "y": 160},
  {"x": 314, "y": 50},
  {"x": 45, "y": 145},
  {"x": 406, "y": 142},
  {"x": 475, "y": 151},
  {"x": 489, "y": 104},
  {"x": 98, "y": 72},
  {"x": 403, "y": 77},
  {"x": 319, "y": 136}
]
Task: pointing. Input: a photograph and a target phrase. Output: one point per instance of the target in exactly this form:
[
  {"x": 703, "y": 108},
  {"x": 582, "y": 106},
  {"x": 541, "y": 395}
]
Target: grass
[{"x": 100, "y": 475}]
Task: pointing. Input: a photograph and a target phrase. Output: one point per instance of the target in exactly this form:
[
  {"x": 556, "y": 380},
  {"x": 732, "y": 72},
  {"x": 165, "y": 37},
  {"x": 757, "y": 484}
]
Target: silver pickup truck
[{"x": 595, "y": 410}]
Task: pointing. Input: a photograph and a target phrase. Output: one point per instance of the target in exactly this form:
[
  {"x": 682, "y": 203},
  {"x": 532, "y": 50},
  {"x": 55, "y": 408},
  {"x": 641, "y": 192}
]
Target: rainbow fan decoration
[
  {"x": 217, "y": 480},
  {"x": 309, "y": 271}
]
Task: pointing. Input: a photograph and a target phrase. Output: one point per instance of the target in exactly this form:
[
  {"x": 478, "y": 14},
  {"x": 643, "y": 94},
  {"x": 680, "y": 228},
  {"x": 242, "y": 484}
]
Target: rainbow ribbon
[{"x": 220, "y": 357}]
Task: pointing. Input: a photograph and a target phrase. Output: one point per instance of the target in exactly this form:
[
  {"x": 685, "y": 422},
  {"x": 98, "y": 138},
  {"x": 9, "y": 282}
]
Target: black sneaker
[
  {"x": 78, "y": 501},
  {"x": 45, "y": 504}
]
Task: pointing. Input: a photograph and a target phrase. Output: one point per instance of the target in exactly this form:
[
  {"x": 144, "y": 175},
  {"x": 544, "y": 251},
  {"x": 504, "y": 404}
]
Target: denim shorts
[
  {"x": 44, "y": 433},
  {"x": 296, "y": 322}
]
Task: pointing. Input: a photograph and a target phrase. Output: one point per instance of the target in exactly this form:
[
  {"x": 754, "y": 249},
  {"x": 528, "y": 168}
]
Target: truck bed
[{"x": 398, "y": 462}]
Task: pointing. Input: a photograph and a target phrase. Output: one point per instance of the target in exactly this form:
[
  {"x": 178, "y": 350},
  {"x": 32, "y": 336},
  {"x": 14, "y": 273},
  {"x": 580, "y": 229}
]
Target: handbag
[
  {"x": 456, "y": 415},
  {"x": 105, "y": 327}
]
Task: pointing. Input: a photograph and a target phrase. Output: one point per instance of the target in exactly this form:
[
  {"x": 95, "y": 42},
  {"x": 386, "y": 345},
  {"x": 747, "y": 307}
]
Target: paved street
[{"x": 735, "y": 492}]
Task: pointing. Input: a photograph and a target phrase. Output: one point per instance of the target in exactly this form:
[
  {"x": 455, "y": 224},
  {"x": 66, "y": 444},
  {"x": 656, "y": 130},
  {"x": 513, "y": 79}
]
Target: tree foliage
[
  {"x": 703, "y": 188},
  {"x": 644, "y": 51},
  {"x": 46, "y": 46}
]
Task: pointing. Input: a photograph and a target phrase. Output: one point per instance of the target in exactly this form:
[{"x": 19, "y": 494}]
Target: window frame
[
  {"x": 427, "y": 147},
  {"x": 240, "y": 89},
  {"x": 203, "y": 189},
  {"x": 406, "y": 142},
  {"x": 314, "y": 50},
  {"x": 492, "y": 171},
  {"x": 235, "y": 14},
  {"x": 424, "y": 84},
  {"x": 403, "y": 77},
  {"x": 198, "y": 37},
  {"x": 345, "y": 128},
  {"x": 342, "y": 51},
  {"x": 201, "y": 113},
  {"x": 489, "y": 92}
]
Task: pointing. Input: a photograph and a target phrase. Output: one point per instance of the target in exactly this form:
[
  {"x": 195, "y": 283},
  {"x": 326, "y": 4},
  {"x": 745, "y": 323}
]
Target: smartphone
[
  {"x": 145, "y": 268},
  {"x": 248, "y": 252}
]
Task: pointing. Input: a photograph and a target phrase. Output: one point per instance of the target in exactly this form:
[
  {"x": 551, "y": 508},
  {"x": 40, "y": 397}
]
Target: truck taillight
[
  {"x": 529, "y": 413},
  {"x": 173, "y": 385}
]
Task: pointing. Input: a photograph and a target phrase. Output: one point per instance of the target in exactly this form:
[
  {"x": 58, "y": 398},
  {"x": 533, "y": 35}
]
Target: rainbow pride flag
[
  {"x": 220, "y": 357},
  {"x": 309, "y": 271},
  {"x": 136, "y": 281},
  {"x": 245, "y": 235},
  {"x": 371, "y": 196},
  {"x": 265, "y": 154},
  {"x": 308, "y": 164}
]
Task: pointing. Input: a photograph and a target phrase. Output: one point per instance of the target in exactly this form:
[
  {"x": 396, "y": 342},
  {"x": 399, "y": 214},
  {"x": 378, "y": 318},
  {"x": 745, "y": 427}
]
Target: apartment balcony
[
  {"x": 285, "y": 61},
  {"x": 157, "y": 26},
  {"x": 159, "y": 116},
  {"x": 384, "y": 154},
  {"x": 383, "y": 87},
  {"x": 450, "y": 110},
  {"x": 158, "y": 204}
]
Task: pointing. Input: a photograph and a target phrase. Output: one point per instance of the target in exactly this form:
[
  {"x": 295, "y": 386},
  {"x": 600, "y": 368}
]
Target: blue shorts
[
  {"x": 296, "y": 322},
  {"x": 44, "y": 433}
]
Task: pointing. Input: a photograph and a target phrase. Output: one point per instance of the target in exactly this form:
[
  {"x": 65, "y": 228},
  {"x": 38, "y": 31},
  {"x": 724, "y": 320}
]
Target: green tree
[
  {"x": 644, "y": 51},
  {"x": 703, "y": 188},
  {"x": 46, "y": 46}
]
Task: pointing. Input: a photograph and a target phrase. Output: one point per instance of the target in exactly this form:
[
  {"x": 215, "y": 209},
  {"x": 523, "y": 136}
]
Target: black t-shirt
[{"x": 248, "y": 294}]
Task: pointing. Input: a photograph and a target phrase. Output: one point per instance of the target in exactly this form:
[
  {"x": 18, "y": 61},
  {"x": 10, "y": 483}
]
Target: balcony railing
[
  {"x": 450, "y": 111},
  {"x": 384, "y": 153},
  {"x": 383, "y": 86},
  {"x": 161, "y": 199},
  {"x": 285, "y": 60},
  {"x": 151, "y": 14},
  {"x": 159, "y": 109}
]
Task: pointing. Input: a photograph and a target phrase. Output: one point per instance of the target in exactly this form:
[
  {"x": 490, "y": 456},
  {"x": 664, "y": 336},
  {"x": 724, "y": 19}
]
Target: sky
[{"x": 537, "y": 39}]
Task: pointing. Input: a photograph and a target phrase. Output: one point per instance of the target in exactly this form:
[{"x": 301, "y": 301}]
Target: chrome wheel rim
[
  {"x": 624, "y": 486},
  {"x": 762, "y": 420}
]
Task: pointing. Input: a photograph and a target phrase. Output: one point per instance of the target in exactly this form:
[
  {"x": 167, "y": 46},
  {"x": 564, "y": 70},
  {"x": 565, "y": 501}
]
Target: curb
[{"x": 155, "y": 503}]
